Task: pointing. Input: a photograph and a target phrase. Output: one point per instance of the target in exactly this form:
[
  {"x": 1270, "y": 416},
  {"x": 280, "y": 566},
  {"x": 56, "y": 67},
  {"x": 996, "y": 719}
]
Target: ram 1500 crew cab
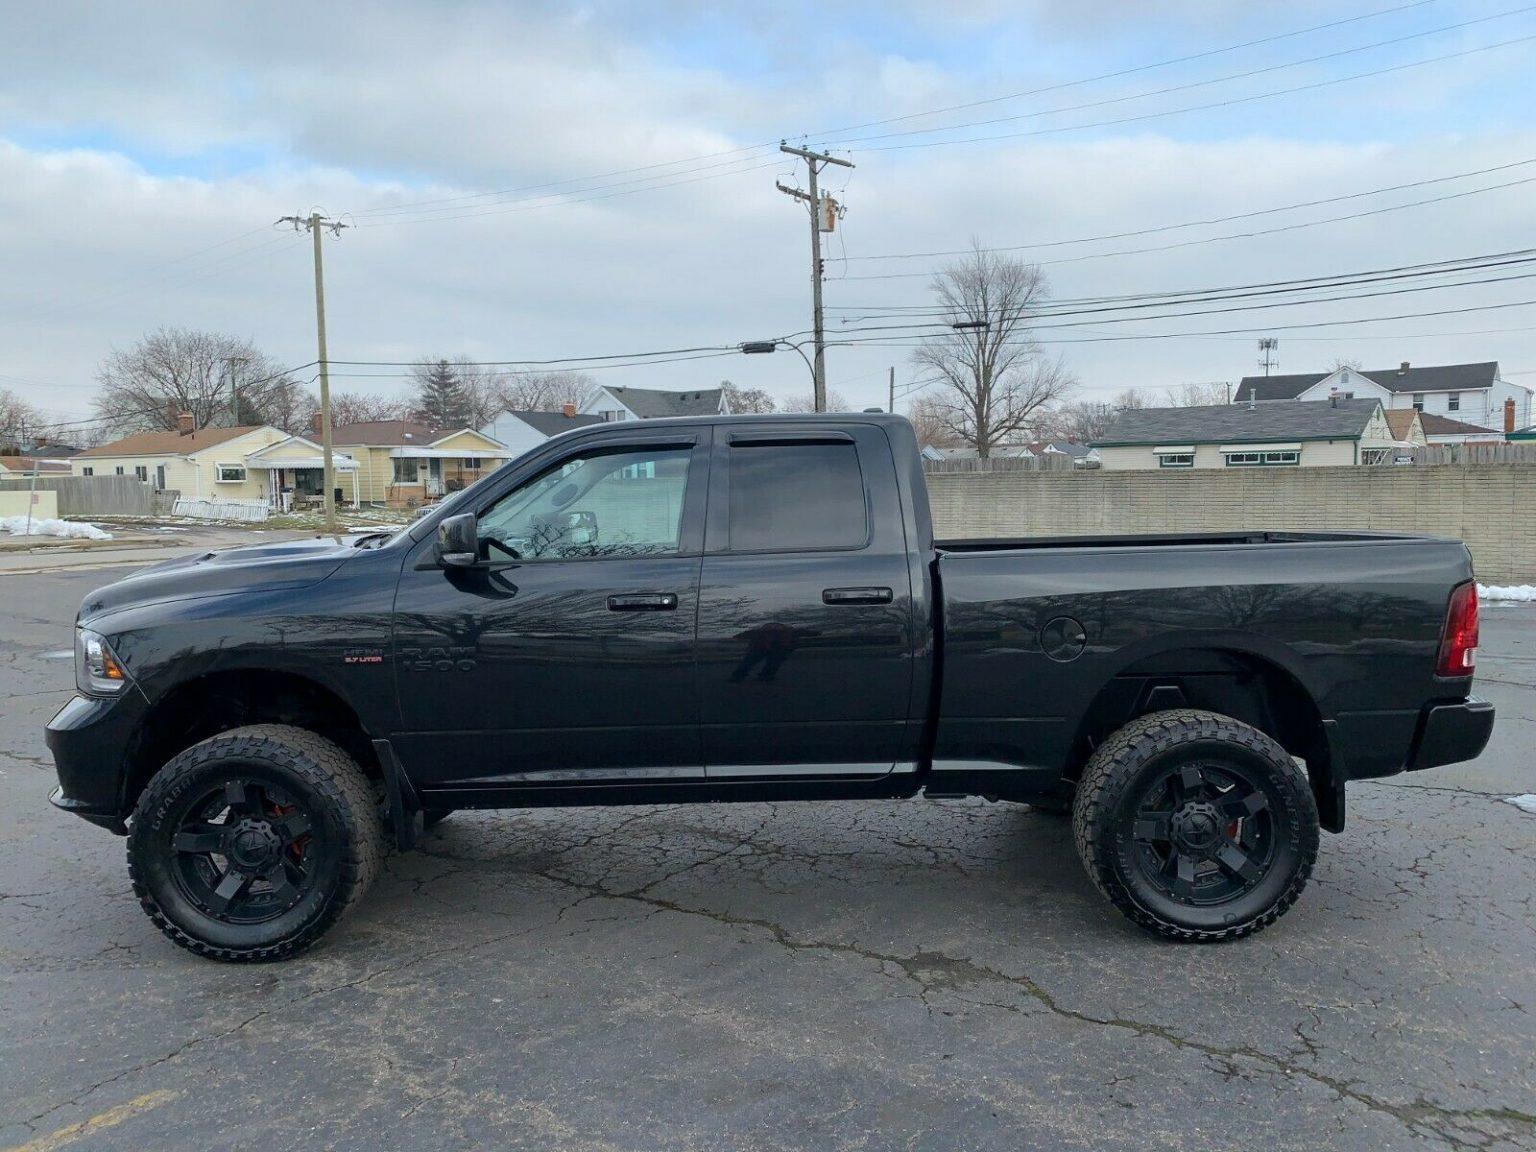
[{"x": 753, "y": 608}]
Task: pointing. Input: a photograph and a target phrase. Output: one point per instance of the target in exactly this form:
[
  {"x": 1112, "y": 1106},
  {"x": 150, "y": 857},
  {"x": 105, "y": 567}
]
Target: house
[
  {"x": 522, "y": 431},
  {"x": 1407, "y": 425},
  {"x": 1444, "y": 430},
  {"x": 1472, "y": 393},
  {"x": 611, "y": 403},
  {"x": 22, "y": 467},
  {"x": 404, "y": 464},
  {"x": 1305, "y": 434},
  {"x": 202, "y": 463},
  {"x": 293, "y": 470}
]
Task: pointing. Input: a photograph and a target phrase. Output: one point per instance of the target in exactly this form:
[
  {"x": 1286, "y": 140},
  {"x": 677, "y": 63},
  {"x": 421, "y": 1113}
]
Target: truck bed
[{"x": 1165, "y": 540}]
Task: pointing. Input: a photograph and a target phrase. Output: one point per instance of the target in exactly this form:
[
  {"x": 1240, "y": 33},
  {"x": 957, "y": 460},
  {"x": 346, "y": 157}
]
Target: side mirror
[{"x": 458, "y": 541}]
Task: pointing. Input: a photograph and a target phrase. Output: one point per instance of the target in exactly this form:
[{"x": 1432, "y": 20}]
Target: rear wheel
[
  {"x": 251, "y": 844},
  {"x": 1197, "y": 827}
]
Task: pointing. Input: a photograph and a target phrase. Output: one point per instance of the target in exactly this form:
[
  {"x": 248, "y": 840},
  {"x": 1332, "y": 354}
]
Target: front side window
[
  {"x": 624, "y": 503},
  {"x": 406, "y": 471},
  {"x": 1261, "y": 459},
  {"x": 796, "y": 497},
  {"x": 230, "y": 473}
]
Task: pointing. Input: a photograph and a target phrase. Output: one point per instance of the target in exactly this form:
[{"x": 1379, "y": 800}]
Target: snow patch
[
  {"x": 1518, "y": 593},
  {"x": 64, "y": 529},
  {"x": 1526, "y": 802}
]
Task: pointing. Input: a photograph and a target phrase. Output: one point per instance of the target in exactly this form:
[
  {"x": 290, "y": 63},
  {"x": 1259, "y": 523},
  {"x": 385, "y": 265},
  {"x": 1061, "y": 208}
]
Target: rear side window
[{"x": 792, "y": 497}]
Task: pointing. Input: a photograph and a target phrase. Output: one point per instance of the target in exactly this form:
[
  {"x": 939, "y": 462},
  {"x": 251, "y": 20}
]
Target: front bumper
[
  {"x": 90, "y": 739},
  {"x": 1452, "y": 732}
]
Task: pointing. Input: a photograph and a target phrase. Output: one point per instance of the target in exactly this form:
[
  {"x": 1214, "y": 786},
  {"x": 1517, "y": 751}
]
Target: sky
[{"x": 534, "y": 182}]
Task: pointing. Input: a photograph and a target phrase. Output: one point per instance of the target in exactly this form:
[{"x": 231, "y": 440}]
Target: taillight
[{"x": 1458, "y": 642}]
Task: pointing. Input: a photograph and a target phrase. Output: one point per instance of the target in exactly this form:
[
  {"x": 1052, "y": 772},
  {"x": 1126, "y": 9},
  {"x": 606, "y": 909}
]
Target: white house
[
  {"x": 1469, "y": 393},
  {"x": 611, "y": 403},
  {"x": 522, "y": 431}
]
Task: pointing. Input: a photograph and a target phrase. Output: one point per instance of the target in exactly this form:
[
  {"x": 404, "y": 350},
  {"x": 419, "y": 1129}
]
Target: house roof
[
  {"x": 1400, "y": 421},
  {"x": 1431, "y": 378},
  {"x": 28, "y": 463},
  {"x": 649, "y": 403},
  {"x": 385, "y": 433},
  {"x": 1065, "y": 447},
  {"x": 1435, "y": 425},
  {"x": 553, "y": 423},
  {"x": 1240, "y": 423},
  {"x": 162, "y": 443}
]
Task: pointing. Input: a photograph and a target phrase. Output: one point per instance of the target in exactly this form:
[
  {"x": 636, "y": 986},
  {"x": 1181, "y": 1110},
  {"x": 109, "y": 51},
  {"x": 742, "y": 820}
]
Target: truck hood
[{"x": 285, "y": 564}]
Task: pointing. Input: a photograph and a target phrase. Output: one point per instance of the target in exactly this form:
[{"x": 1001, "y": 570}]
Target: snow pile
[
  {"x": 1525, "y": 802},
  {"x": 1513, "y": 592},
  {"x": 64, "y": 529}
]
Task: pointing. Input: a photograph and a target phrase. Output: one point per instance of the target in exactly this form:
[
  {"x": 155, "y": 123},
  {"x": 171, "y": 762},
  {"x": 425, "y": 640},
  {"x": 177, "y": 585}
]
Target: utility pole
[
  {"x": 814, "y": 163},
  {"x": 317, "y": 223},
  {"x": 234, "y": 389},
  {"x": 891, "y": 407}
]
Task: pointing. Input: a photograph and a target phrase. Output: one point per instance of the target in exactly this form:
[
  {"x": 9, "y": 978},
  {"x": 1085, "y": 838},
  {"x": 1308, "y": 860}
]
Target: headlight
[{"x": 97, "y": 669}]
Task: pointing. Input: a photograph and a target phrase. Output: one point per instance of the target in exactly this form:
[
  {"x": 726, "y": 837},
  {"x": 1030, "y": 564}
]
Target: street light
[{"x": 758, "y": 347}]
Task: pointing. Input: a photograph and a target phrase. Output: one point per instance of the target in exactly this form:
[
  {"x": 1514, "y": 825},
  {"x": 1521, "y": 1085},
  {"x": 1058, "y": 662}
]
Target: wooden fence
[
  {"x": 93, "y": 495},
  {"x": 1051, "y": 462}
]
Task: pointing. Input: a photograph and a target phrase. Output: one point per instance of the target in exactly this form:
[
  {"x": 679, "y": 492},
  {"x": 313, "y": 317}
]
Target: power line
[
  {"x": 1196, "y": 83},
  {"x": 1249, "y": 235},
  {"x": 1205, "y": 107}
]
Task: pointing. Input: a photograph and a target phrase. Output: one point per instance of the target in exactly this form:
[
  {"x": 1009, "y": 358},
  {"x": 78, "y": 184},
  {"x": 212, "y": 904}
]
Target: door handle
[
  {"x": 643, "y": 602},
  {"x": 856, "y": 596}
]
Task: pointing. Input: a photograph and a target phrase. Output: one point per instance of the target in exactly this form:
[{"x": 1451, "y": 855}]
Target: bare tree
[
  {"x": 359, "y": 408},
  {"x": 996, "y": 381},
  {"x": 928, "y": 423},
  {"x": 542, "y": 391},
  {"x": 20, "y": 422},
  {"x": 1084, "y": 421},
  {"x": 1199, "y": 395},
  {"x": 218, "y": 379},
  {"x": 747, "y": 401},
  {"x": 1345, "y": 362},
  {"x": 806, "y": 402}
]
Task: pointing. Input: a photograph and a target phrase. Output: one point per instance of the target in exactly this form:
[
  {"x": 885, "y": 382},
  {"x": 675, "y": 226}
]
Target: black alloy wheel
[
  {"x": 251, "y": 844},
  {"x": 1195, "y": 825}
]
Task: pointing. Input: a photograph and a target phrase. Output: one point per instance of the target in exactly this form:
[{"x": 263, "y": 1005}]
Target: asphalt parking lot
[{"x": 866, "y": 976}]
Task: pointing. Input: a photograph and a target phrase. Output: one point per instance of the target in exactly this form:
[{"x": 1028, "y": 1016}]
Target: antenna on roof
[{"x": 1269, "y": 346}]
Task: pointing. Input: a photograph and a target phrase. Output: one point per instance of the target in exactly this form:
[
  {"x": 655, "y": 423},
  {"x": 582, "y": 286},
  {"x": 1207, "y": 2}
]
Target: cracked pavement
[{"x": 851, "y": 975}]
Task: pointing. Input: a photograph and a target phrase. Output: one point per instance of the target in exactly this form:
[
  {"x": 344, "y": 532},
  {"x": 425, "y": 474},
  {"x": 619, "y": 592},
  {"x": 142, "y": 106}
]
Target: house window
[
  {"x": 1418, "y": 401},
  {"x": 470, "y": 462},
  {"x": 1453, "y": 402},
  {"x": 141, "y": 471},
  {"x": 407, "y": 471},
  {"x": 1176, "y": 460},
  {"x": 119, "y": 470},
  {"x": 229, "y": 473},
  {"x": 612, "y": 415},
  {"x": 87, "y": 471},
  {"x": 1262, "y": 459}
]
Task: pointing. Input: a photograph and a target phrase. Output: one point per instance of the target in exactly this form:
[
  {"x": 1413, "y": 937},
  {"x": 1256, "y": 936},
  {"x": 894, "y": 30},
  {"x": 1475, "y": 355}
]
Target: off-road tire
[
  {"x": 1117, "y": 776},
  {"x": 304, "y": 763}
]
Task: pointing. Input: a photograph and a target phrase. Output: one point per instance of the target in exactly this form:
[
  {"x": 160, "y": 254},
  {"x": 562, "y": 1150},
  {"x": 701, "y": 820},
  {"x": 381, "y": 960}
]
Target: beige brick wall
[{"x": 1491, "y": 507}]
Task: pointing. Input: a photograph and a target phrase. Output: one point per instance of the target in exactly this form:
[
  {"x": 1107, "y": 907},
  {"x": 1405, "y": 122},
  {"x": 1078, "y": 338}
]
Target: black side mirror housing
[{"x": 458, "y": 541}]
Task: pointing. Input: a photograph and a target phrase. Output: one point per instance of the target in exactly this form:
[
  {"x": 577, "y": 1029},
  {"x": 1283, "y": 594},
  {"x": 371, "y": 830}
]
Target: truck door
[
  {"x": 567, "y": 656},
  {"x": 806, "y": 626}
]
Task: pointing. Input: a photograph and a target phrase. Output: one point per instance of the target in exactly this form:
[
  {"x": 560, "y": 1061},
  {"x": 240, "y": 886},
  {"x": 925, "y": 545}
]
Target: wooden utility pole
[
  {"x": 891, "y": 407},
  {"x": 815, "y": 162},
  {"x": 316, "y": 223}
]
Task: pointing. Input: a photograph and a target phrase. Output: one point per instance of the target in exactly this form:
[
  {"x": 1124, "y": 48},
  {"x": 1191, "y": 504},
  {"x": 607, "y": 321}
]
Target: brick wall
[{"x": 1491, "y": 507}]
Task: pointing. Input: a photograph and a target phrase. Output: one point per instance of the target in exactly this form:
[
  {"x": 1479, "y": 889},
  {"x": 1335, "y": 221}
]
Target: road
[{"x": 926, "y": 975}]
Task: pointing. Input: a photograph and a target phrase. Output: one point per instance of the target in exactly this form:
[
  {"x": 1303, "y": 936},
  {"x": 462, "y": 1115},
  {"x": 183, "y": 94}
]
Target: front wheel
[
  {"x": 1196, "y": 826},
  {"x": 251, "y": 844}
]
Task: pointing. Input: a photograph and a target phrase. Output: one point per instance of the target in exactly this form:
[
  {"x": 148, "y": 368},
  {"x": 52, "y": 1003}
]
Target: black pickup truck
[{"x": 752, "y": 608}]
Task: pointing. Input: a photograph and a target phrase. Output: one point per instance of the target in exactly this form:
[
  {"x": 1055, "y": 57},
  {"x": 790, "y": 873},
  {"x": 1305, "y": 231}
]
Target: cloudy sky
[{"x": 538, "y": 181}]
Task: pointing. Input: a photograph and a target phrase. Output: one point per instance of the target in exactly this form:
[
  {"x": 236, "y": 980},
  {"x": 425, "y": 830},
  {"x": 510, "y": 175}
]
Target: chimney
[
  {"x": 1402, "y": 369},
  {"x": 315, "y": 423},
  {"x": 184, "y": 424},
  {"x": 1509, "y": 417},
  {"x": 567, "y": 410}
]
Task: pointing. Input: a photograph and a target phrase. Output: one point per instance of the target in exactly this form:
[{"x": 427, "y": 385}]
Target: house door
[{"x": 160, "y": 477}]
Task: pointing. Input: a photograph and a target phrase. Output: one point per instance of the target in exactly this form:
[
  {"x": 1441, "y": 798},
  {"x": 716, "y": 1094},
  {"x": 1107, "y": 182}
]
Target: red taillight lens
[{"x": 1458, "y": 643}]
